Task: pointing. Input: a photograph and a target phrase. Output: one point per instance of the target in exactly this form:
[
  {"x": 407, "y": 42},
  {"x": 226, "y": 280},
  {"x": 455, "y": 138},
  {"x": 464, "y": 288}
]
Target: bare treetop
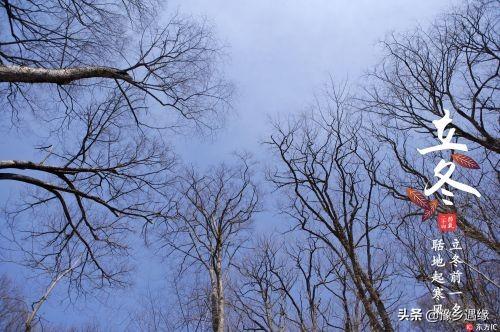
[
  {"x": 93, "y": 78},
  {"x": 121, "y": 45},
  {"x": 208, "y": 230},
  {"x": 453, "y": 64}
]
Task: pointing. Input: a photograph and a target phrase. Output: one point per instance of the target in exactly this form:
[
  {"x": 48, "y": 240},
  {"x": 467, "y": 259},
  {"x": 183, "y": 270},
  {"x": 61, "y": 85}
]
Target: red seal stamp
[{"x": 447, "y": 222}]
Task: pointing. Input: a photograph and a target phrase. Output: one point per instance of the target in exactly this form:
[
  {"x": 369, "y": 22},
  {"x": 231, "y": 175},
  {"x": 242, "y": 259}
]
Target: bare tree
[
  {"x": 102, "y": 175},
  {"x": 152, "y": 313},
  {"x": 38, "y": 304},
  {"x": 120, "y": 45},
  {"x": 451, "y": 65},
  {"x": 15, "y": 314},
  {"x": 322, "y": 167},
  {"x": 210, "y": 218},
  {"x": 82, "y": 76},
  {"x": 290, "y": 286},
  {"x": 255, "y": 299},
  {"x": 13, "y": 308}
]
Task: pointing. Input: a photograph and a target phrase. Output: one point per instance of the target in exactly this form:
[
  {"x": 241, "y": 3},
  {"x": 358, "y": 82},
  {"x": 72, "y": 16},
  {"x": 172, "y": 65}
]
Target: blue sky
[
  {"x": 278, "y": 54},
  {"x": 281, "y": 52}
]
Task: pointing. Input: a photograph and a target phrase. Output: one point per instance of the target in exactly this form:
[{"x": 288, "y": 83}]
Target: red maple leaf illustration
[
  {"x": 430, "y": 211},
  {"x": 464, "y": 161},
  {"x": 418, "y": 198}
]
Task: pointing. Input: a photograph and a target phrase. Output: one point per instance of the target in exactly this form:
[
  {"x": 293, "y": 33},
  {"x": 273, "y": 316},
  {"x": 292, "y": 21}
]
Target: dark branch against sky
[{"x": 278, "y": 53}]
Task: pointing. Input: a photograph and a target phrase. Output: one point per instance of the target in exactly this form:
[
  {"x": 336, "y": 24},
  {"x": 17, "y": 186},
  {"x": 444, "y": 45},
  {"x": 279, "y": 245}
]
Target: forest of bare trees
[{"x": 102, "y": 86}]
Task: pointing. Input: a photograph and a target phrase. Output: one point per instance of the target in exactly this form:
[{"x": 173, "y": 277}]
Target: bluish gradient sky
[
  {"x": 279, "y": 53},
  {"x": 282, "y": 51}
]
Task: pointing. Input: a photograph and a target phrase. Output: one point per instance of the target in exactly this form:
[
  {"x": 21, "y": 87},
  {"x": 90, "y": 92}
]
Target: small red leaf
[
  {"x": 464, "y": 161},
  {"x": 433, "y": 204},
  {"x": 430, "y": 211},
  {"x": 418, "y": 198},
  {"x": 427, "y": 214}
]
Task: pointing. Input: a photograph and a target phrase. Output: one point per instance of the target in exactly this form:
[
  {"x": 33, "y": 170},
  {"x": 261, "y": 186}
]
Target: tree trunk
[
  {"x": 36, "y": 306},
  {"x": 361, "y": 277},
  {"x": 217, "y": 297},
  {"x": 23, "y": 74}
]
